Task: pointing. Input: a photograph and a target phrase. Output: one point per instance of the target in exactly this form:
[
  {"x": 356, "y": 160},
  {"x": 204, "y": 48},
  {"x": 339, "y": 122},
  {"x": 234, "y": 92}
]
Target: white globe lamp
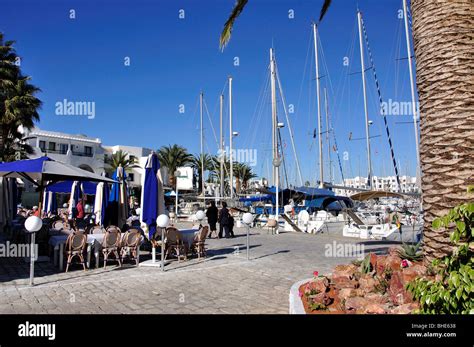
[
  {"x": 162, "y": 221},
  {"x": 200, "y": 215},
  {"x": 33, "y": 224},
  {"x": 247, "y": 218}
]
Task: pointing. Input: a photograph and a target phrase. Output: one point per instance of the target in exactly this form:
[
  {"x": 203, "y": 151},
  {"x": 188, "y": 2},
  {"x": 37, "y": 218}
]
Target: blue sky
[{"x": 173, "y": 59}]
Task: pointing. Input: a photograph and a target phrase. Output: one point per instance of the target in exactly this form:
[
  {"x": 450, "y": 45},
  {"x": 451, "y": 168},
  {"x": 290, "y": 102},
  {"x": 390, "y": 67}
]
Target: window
[
  {"x": 42, "y": 145},
  {"x": 63, "y": 148},
  {"x": 88, "y": 151},
  {"x": 131, "y": 177},
  {"x": 52, "y": 146}
]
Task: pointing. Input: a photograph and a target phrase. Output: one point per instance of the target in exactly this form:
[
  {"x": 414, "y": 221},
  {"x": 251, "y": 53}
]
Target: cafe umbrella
[
  {"x": 101, "y": 202},
  {"x": 118, "y": 198},
  {"x": 42, "y": 172}
]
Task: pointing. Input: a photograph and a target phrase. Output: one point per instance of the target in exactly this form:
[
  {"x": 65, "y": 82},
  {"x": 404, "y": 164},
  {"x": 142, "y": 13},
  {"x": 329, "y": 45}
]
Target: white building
[
  {"x": 78, "y": 150},
  {"x": 389, "y": 183},
  {"x": 84, "y": 152},
  {"x": 140, "y": 154}
]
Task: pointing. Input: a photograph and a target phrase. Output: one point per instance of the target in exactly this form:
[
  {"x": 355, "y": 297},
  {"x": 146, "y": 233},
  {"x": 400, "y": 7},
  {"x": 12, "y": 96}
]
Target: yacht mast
[
  {"x": 413, "y": 99},
  {"x": 221, "y": 146},
  {"x": 367, "y": 134},
  {"x": 328, "y": 140},
  {"x": 231, "y": 159},
  {"x": 201, "y": 96},
  {"x": 276, "y": 159},
  {"x": 316, "y": 57}
]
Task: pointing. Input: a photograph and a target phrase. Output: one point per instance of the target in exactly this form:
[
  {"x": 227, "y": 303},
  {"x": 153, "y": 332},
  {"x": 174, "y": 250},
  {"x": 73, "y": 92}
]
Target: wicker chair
[
  {"x": 272, "y": 224},
  {"x": 174, "y": 243},
  {"x": 113, "y": 227},
  {"x": 75, "y": 246},
  {"x": 131, "y": 245},
  {"x": 111, "y": 244},
  {"x": 199, "y": 246},
  {"x": 95, "y": 229},
  {"x": 58, "y": 225}
]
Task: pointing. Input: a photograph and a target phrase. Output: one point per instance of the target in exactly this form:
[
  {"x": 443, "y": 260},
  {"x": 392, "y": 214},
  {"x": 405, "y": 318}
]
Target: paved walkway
[{"x": 225, "y": 282}]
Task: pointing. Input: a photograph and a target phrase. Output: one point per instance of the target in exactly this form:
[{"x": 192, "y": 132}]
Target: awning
[
  {"x": 375, "y": 194},
  {"x": 65, "y": 187}
]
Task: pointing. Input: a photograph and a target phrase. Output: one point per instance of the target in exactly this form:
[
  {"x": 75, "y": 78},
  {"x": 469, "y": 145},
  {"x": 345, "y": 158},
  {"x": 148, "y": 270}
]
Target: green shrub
[
  {"x": 410, "y": 252},
  {"x": 453, "y": 289}
]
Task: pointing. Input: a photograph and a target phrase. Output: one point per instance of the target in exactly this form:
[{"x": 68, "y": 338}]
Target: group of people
[{"x": 223, "y": 217}]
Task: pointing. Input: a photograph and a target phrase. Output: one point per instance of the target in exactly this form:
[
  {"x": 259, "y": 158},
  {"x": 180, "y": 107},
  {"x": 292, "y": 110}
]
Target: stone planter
[{"x": 296, "y": 305}]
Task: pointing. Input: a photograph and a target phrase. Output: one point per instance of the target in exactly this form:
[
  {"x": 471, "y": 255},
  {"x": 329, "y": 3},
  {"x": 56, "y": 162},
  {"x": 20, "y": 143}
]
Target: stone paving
[{"x": 224, "y": 282}]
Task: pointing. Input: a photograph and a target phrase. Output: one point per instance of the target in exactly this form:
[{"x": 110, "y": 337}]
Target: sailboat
[{"x": 365, "y": 224}]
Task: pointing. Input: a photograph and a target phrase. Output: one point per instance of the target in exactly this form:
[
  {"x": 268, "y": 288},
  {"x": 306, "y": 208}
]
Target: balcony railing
[
  {"x": 54, "y": 151},
  {"x": 82, "y": 154}
]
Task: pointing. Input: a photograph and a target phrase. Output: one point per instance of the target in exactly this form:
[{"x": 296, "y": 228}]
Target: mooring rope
[{"x": 380, "y": 105}]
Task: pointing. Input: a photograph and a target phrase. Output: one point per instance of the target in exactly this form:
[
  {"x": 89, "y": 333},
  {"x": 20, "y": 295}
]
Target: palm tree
[
  {"x": 238, "y": 174},
  {"x": 172, "y": 157},
  {"x": 237, "y": 10},
  {"x": 243, "y": 174},
  {"x": 123, "y": 159},
  {"x": 18, "y": 104},
  {"x": 196, "y": 164},
  {"x": 444, "y": 69},
  {"x": 246, "y": 176},
  {"x": 444, "y": 79}
]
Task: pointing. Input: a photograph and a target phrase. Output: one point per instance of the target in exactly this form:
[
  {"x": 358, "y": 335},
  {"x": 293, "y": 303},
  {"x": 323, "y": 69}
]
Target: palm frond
[
  {"x": 324, "y": 9},
  {"x": 229, "y": 24}
]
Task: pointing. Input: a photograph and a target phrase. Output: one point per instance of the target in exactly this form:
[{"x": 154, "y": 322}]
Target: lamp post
[
  {"x": 162, "y": 221},
  {"x": 33, "y": 224},
  {"x": 247, "y": 218}
]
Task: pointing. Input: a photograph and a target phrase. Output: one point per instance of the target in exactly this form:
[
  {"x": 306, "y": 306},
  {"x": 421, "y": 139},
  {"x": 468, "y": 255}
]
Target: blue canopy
[
  {"x": 65, "y": 187},
  {"x": 150, "y": 204},
  {"x": 255, "y": 198},
  {"x": 312, "y": 191},
  {"x": 45, "y": 169},
  {"x": 328, "y": 202}
]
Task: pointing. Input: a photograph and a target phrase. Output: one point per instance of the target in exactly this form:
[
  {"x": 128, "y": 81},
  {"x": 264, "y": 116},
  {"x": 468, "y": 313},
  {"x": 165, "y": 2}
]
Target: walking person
[
  {"x": 224, "y": 220},
  {"x": 212, "y": 216},
  {"x": 231, "y": 226}
]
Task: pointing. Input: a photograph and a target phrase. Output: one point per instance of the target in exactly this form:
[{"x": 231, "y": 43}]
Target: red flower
[
  {"x": 315, "y": 274},
  {"x": 404, "y": 263}
]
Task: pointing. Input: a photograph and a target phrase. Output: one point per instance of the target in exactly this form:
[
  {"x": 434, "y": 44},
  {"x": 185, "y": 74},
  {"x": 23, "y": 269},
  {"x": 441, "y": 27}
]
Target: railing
[
  {"x": 82, "y": 154},
  {"x": 55, "y": 151}
]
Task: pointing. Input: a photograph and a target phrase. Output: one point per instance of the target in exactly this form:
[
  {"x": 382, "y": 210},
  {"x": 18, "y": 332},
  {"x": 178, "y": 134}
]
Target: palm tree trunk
[{"x": 443, "y": 43}]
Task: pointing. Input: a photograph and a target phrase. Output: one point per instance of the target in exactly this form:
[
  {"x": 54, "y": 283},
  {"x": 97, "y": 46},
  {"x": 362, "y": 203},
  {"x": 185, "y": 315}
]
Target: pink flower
[
  {"x": 300, "y": 294},
  {"x": 404, "y": 263},
  {"x": 315, "y": 274}
]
